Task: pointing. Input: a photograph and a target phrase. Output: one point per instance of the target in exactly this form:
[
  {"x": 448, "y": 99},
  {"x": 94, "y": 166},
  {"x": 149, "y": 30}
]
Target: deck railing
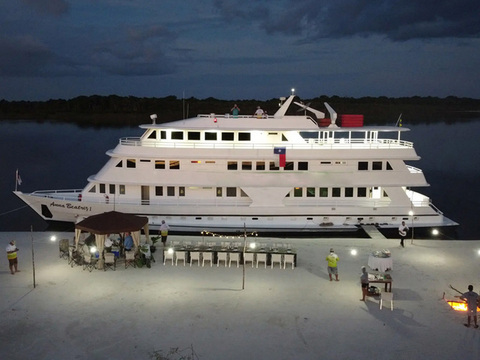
[{"x": 309, "y": 144}]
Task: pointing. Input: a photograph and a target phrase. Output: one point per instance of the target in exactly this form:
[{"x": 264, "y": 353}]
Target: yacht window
[
  {"x": 244, "y": 136},
  {"x": 170, "y": 190},
  {"x": 181, "y": 191},
  {"x": 120, "y": 164},
  {"x": 158, "y": 190},
  {"x": 389, "y": 167},
  {"x": 284, "y": 138},
  {"x": 288, "y": 165},
  {"x": 143, "y": 160},
  {"x": 227, "y": 136},
  {"x": 194, "y": 135},
  {"x": 260, "y": 165},
  {"x": 121, "y": 189},
  {"x": 325, "y": 162},
  {"x": 131, "y": 163},
  {"x": 377, "y": 165},
  {"x": 111, "y": 188},
  {"x": 336, "y": 191},
  {"x": 219, "y": 192},
  {"x": 153, "y": 135},
  {"x": 159, "y": 164},
  {"x": 174, "y": 164},
  {"x": 243, "y": 193},
  {"x": 362, "y": 192},
  {"x": 246, "y": 165},
  {"x": 163, "y": 134},
  {"x": 177, "y": 135},
  {"x": 303, "y": 165},
  {"x": 93, "y": 189},
  {"x": 323, "y": 192},
  {"x": 310, "y": 192},
  {"x": 273, "y": 166},
  {"x": 102, "y": 188},
  {"x": 232, "y": 165},
  {"x": 349, "y": 192},
  {"x": 363, "y": 165},
  {"x": 211, "y": 136},
  {"x": 231, "y": 191},
  {"x": 298, "y": 192}
]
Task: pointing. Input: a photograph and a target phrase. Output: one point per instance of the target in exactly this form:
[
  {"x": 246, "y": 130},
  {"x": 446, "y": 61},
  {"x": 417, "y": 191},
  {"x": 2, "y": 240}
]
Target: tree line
[{"x": 116, "y": 110}]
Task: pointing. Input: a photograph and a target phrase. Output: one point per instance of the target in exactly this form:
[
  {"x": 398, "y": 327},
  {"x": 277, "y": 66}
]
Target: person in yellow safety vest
[
  {"x": 164, "y": 232},
  {"x": 332, "y": 260},
  {"x": 12, "y": 257}
]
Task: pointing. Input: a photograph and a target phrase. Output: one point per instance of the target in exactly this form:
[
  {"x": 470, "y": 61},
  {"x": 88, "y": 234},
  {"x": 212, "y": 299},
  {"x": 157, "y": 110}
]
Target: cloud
[
  {"x": 396, "y": 20},
  {"x": 23, "y": 56},
  {"x": 51, "y": 7}
]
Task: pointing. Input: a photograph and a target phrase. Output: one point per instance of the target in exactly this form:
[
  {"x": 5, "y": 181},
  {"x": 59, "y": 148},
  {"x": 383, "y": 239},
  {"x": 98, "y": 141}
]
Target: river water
[{"x": 62, "y": 156}]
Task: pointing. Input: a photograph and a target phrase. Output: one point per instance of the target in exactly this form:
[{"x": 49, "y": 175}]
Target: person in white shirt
[{"x": 402, "y": 231}]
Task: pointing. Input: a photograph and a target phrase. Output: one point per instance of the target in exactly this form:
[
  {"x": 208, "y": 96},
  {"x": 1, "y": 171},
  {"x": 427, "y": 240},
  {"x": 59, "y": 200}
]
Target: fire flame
[{"x": 459, "y": 306}]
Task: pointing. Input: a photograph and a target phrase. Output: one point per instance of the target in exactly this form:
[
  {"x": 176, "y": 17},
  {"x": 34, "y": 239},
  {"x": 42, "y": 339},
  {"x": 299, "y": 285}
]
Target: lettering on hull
[{"x": 71, "y": 206}]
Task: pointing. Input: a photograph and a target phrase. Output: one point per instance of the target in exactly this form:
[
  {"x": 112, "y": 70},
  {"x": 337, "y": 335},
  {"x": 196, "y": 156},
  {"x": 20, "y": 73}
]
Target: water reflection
[{"x": 62, "y": 156}]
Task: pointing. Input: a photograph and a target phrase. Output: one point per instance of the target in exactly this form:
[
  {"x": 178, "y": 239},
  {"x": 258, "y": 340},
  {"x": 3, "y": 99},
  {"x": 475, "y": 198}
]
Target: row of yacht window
[
  {"x": 323, "y": 192},
  {"x": 258, "y": 165}
]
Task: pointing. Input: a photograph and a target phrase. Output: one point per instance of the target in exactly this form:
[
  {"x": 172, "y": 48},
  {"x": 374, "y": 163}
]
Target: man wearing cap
[
  {"x": 12, "y": 257},
  {"x": 332, "y": 260}
]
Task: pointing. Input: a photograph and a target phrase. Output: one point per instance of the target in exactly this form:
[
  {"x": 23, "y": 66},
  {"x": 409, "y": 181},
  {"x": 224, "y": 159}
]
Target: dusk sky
[{"x": 232, "y": 49}]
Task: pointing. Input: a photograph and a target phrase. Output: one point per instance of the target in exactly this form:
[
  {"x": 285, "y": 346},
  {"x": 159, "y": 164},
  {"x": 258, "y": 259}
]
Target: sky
[{"x": 232, "y": 49}]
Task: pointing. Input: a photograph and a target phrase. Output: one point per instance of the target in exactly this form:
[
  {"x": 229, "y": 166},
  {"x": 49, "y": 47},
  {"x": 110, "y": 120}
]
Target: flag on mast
[{"x": 18, "y": 178}]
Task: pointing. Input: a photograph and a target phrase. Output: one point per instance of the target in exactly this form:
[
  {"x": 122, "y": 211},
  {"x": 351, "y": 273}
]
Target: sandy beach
[{"x": 281, "y": 314}]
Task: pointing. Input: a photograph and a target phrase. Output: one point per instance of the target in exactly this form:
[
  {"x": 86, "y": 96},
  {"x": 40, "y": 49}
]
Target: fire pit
[{"x": 459, "y": 305}]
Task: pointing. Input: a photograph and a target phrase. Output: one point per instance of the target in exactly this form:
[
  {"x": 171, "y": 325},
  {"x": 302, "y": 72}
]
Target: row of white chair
[{"x": 228, "y": 258}]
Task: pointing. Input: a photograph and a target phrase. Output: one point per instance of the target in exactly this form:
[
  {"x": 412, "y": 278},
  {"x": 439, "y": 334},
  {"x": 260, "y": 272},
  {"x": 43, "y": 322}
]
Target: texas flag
[{"x": 282, "y": 152}]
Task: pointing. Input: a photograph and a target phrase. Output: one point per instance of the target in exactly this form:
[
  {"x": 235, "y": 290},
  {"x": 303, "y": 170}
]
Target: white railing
[{"x": 312, "y": 144}]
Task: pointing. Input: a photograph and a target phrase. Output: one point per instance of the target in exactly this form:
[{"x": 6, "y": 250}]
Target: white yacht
[{"x": 286, "y": 173}]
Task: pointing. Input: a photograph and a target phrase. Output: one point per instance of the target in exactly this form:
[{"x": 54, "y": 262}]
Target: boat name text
[{"x": 71, "y": 206}]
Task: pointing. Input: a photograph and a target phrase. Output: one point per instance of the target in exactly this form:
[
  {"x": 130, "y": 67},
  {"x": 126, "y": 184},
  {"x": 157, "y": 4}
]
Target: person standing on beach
[
  {"x": 364, "y": 281},
  {"x": 471, "y": 297},
  {"x": 12, "y": 257},
  {"x": 332, "y": 260},
  {"x": 402, "y": 231},
  {"x": 164, "y": 232}
]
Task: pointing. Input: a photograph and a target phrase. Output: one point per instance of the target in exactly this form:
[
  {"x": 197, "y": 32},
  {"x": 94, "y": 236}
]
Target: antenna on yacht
[
  {"x": 154, "y": 118},
  {"x": 333, "y": 115}
]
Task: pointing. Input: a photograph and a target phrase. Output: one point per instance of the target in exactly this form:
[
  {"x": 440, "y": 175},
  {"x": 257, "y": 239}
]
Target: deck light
[
  {"x": 53, "y": 238},
  {"x": 170, "y": 250},
  {"x": 293, "y": 91},
  {"x": 353, "y": 252},
  {"x": 435, "y": 232},
  {"x": 252, "y": 245},
  {"x": 93, "y": 249}
]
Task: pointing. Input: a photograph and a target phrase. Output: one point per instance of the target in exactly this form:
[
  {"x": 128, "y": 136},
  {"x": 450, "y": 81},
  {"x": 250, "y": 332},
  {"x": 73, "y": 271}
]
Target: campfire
[{"x": 459, "y": 305}]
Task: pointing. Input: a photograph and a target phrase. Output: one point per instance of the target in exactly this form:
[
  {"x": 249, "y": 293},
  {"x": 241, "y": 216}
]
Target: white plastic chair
[
  {"x": 168, "y": 254},
  {"x": 387, "y": 296},
  {"x": 222, "y": 256},
  {"x": 207, "y": 256},
  {"x": 234, "y": 257},
  {"x": 288, "y": 259},
  {"x": 195, "y": 256},
  {"x": 276, "y": 258},
  {"x": 180, "y": 255},
  {"x": 262, "y": 257},
  {"x": 110, "y": 261},
  {"x": 248, "y": 257}
]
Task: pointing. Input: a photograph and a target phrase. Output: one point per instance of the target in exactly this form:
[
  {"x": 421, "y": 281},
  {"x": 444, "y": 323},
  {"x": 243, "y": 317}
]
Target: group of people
[{"x": 259, "y": 113}]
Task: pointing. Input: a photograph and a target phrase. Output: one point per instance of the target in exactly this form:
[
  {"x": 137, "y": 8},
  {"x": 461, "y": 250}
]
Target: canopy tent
[{"x": 112, "y": 222}]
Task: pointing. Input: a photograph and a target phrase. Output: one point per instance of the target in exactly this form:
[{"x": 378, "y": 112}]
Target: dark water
[{"x": 62, "y": 156}]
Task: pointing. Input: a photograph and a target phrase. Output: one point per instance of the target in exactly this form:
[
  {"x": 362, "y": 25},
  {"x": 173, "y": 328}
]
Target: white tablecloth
[{"x": 382, "y": 264}]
